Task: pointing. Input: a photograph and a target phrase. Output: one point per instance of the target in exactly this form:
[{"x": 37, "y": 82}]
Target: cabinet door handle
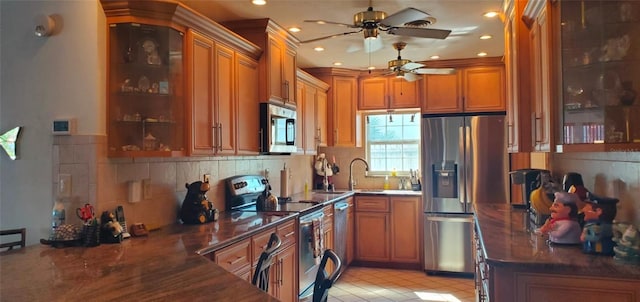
[
  {"x": 220, "y": 137},
  {"x": 280, "y": 266},
  {"x": 214, "y": 137},
  {"x": 289, "y": 234}
]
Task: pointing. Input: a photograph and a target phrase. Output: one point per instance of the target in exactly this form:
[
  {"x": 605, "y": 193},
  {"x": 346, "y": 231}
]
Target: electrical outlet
[{"x": 206, "y": 177}]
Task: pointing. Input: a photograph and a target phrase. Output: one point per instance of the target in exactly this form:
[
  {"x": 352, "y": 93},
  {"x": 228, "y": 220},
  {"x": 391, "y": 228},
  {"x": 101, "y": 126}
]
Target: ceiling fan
[
  {"x": 407, "y": 22},
  {"x": 410, "y": 71}
]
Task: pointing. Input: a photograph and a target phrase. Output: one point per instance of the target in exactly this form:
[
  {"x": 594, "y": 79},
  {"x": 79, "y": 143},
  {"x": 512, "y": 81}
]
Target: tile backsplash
[{"x": 104, "y": 182}]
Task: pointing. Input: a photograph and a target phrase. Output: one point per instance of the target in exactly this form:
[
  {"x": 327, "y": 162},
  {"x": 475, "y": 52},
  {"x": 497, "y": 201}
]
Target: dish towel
[{"x": 318, "y": 242}]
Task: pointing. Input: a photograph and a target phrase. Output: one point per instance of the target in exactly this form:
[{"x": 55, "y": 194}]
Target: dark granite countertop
[
  {"x": 164, "y": 266},
  {"x": 509, "y": 240}
]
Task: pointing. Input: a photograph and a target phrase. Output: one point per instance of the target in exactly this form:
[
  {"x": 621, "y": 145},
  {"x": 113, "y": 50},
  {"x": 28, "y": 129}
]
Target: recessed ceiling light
[
  {"x": 490, "y": 14},
  {"x": 434, "y": 57},
  {"x": 259, "y": 2},
  {"x": 485, "y": 37},
  {"x": 337, "y": 63},
  {"x": 294, "y": 29},
  {"x": 371, "y": 67},
  {"x": 318, "y": 48},
  {"x": 482, "y": 54}
]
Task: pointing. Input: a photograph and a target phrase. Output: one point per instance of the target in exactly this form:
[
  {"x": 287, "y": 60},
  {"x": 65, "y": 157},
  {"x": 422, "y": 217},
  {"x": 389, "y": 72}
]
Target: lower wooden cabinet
[
  {"x": 522, "y": 283},
  {"x": 235, "y": 258},
  {"x": 387, "y": 229},
  {"x": 351, "y": 217},
  {"x": 242, "y": 258}
]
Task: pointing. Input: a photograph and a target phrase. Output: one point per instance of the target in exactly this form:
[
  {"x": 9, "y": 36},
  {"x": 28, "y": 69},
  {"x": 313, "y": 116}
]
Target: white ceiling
[{"x": 463, "y": 17}]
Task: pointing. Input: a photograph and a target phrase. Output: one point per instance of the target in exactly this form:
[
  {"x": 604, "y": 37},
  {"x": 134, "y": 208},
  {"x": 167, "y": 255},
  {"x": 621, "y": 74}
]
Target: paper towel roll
[{"x": 284, "y": 183}]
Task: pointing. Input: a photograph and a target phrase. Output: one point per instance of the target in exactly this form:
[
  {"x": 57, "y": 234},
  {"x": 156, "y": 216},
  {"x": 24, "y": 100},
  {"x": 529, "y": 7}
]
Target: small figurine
[
  {"x": 196, "y": 208},
  {"x": 562, "y": 227},
  {"x": 110, "y": 228},
  {"x": 627, "y": 249},
  {"x": 597, "y": 232}
]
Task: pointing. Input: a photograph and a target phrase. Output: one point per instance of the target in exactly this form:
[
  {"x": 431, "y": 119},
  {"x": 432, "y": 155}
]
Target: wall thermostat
[{"x": 64, "y": 127}]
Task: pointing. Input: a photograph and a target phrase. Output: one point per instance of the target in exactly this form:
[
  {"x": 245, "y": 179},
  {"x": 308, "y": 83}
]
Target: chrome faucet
[{"x": 366, "y": 169}]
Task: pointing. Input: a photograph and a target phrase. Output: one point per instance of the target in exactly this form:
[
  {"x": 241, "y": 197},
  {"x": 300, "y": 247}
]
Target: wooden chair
[
  {"x": 261, "y": 275},
  {"x": 323, "y": 280},
  {"x": 23, "y": 234}
]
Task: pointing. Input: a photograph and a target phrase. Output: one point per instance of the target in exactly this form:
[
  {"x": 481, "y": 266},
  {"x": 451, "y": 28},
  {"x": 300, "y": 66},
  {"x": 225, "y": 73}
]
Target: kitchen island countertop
[
  {"x": 508, "y": 239},
  {"x": 163, "y": 266}
]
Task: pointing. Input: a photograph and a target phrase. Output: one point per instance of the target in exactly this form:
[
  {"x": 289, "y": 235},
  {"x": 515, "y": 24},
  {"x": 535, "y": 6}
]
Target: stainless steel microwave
[{"x": 277, "y": 129}]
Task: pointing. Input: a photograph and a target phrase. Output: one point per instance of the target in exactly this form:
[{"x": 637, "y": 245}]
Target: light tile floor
[{"x": 375, "y": 284}]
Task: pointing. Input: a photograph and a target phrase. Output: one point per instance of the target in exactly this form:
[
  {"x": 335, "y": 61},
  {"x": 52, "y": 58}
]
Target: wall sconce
[{"x": 45, "y": 26}]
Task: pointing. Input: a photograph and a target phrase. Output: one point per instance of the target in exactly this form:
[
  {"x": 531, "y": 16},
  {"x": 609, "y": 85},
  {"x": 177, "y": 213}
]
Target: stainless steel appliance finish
[
  {"x": 277, "y": 129},
  {"x": 308, "y": 267},
  {"x": 340, "y": 229},
  {"x": 464, "y": 161}
]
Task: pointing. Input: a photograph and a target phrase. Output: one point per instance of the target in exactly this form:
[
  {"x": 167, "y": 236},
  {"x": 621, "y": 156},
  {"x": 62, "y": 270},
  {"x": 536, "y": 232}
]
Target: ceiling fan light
[
  {"x": 370, "y": 33},
  {"x": 400, "y": 74}
]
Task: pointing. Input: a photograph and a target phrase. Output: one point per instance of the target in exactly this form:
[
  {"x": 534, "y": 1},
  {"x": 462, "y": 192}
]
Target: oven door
[{"x": 308, "y": 264}]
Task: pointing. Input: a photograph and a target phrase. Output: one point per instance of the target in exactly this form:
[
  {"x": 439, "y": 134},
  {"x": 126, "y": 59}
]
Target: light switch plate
[{"x": 64, "y": 185}]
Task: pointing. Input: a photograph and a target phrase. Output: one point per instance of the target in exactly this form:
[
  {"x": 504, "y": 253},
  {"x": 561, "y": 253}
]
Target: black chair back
[
  {"x": 323, "y": 280},
  {"x": 261, "y": 275}
]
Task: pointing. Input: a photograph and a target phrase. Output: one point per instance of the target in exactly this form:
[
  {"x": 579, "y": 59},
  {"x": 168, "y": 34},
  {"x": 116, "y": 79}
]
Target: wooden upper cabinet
[
  {"x": 483, "y": 89},
  {"x": 404, "y": 94},
  {"x": 342, "y": 114},
  {"x": 541, "y": 56},
  {"x": 277, "y": 63},
  {"x": 442, "y": 94},
  {"x": 476, "y": 86},
  {"x": 373, "y": 94},
  {"x": 312, "y": 111},
  {"x": 203, "y": 73},
  {"x": 200, "y": 73},
  {"x": 248, "y": 139},
  {"x": 224, "y": 97},
  {"x": 223, "y": 82},
  {"x": 388, "y": 93}
]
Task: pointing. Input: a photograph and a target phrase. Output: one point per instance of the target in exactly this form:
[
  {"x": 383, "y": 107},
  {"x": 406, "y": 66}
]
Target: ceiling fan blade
[
  {"x": 411, "y": 66},
  {"x": 419, "y": 32},
  {"x": 434, "y": 71},
  {"x": 373, "y": 45},
  {"x": 411, "y": 77},
  {"x": 330, "y": 36},
  {"x": 331, "y": 22},
  {"x": 406, "y": 15}
]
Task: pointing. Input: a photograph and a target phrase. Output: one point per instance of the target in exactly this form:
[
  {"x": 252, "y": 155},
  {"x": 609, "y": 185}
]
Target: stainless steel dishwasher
[
  {"x": 308, "y": 265},
  {"x": 340, "y": 229}
]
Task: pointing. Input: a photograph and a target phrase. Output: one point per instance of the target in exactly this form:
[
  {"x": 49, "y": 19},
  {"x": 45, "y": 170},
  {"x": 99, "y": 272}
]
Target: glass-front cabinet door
[
  {"x": 146, "y": 91},
  {"x": 600, "y": 50}
]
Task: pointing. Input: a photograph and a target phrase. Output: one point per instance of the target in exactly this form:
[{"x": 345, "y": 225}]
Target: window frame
[{"x": 367, "y": 144}]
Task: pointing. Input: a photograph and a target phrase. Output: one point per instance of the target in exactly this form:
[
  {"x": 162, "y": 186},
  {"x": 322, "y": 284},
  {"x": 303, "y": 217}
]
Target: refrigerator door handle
[
  {"x": 462, "y": 171},
  {"x": 467, "y": 164}
]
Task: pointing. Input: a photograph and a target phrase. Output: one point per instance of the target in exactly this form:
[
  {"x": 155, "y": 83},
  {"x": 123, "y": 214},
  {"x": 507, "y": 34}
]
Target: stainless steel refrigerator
[{"x": 464, "y": 161}]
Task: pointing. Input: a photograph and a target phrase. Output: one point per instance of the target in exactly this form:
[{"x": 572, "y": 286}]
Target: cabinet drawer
[
  {"x": 259, "y": 244},
  {"x": 372, "y": 204},
  {"x": 234, "y": 257},
  {"x": 287, "y": 233}
]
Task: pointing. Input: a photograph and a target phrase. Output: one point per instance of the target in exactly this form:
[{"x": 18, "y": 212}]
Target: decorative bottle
[{"x": 57, "y": 217}]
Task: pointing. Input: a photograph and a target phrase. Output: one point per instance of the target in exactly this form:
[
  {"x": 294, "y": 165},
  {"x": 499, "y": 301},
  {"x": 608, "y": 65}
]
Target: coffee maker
[{"x": 528, "y": 180}]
